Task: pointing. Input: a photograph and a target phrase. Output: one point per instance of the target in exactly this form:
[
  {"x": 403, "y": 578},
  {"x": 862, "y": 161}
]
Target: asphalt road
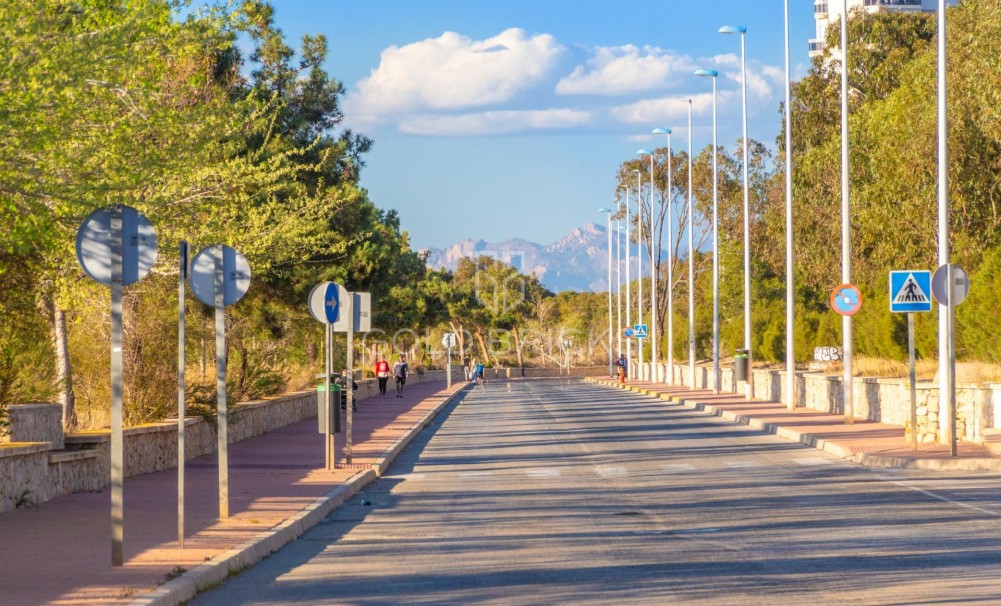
[{"x": 561, "y": 492}]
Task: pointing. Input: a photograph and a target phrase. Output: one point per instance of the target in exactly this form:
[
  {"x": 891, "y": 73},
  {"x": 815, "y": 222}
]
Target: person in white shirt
[{"x": 400, "y": 370}]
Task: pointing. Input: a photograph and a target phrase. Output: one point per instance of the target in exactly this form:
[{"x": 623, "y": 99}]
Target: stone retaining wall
[
  {"x": 39, "y": 422},
  {"x": 32, "y": 472},
  {"x": 978, "y": 407}
]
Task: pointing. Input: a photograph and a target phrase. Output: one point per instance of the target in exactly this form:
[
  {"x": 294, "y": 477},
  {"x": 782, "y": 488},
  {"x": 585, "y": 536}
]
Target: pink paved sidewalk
[
  {"x": 866, "y": 441},
  {"x": 60, "y": 553}
]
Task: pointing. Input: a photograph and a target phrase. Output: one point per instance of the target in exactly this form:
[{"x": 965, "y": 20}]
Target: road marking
[
  {"x": 545, "y": 472},
  {"x": 677, "y": 467},
  {"x": 406, "y": 476},
  {"x": 812, "y": 461},
  {"x": 474, "y": 474},
  {"x": 742, "y": 464},
  {"x": 946, "y": 499},
  {"x": 609, "y": 471}
]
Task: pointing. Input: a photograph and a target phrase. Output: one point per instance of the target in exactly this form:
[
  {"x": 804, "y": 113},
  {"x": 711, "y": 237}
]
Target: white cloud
[
  {"x": 454, "y": 72},
  {"x": 495, "y": 122},
  {"x": 621, "y": 70},
  {"x": 671, "y": 111},
  {"x": 453, "y": 85},
  {"x": 668, "y": 110},
  {"x": 762, "y": 80}
]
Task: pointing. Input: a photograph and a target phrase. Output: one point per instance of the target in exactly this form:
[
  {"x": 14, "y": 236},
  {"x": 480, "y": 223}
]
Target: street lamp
[
  {"x": 691, "y": 258},
  {"x": 639, "y": 271},
  {"x": 670, "y": 258},
  {"x": 609, "y": 230},
  {"x": 711, "y": 73},
  {"x": 618, "y": 274},
  {"x": 749, "y": 385},
  {"x": 846, "y": 245},
  {"x": 946, "y": 333},
  {"x": 790, "y": 277},
  {"x": 654, "y": 358},
  {"x": 629, "y": 341}
]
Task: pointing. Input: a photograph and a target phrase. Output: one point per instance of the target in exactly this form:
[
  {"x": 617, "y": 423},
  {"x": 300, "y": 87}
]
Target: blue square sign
[{"x": 910, "y": 291}]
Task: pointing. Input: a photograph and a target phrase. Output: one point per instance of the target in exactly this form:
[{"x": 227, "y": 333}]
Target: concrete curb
[
  {"x": 243, "y": 556},
  {"x": 838, "y": 450},
  {"x": 970, "y": 464}
]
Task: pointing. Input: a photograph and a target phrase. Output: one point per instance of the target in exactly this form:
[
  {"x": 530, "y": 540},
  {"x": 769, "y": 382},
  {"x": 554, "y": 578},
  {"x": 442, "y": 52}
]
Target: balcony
[
  {"x": 820, "y": 9},
  {"x": 892, "y": 3},
  {"x": 817, "y": 46}
]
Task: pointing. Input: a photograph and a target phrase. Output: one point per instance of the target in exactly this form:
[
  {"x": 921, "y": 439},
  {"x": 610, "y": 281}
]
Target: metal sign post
[
  {"x": 357, "y": 316},
  {"x": 911, "y": 375},
  {"x": 349, "y": 385},
  {"x": 325, "y": 303},
  {"x": 181, "y": 334},
  {"x": 329, "y": 443},
  {"x": 116, "y": 246},
  {"x": 220, "y": 276},
  {"x": 117, "y": 416},
  {"x": 448, "y": 341},
  {"x": 950, "y": 284},
  {"x": 222, "y": 430},
  {"x": 910, "y": 293}
]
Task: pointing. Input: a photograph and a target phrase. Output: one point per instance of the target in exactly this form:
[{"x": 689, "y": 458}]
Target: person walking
[
  {"x": 465, "y": 366},
  {"x": 623, "y": 367},
  {"x": 400, "y": 371},
  {"x": 343, "y": 382},
  {"x": 382, "y": 373},
  {"x": 479, "y": 373}
]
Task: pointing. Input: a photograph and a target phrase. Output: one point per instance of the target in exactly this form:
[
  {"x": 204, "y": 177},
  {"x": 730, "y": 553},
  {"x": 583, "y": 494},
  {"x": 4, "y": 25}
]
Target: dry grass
[
  {"x": 300, "y": 378},
  {"x": 925, "y": 370}
]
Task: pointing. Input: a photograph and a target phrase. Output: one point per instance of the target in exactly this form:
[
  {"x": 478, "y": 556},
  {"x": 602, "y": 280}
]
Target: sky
[{"x": 494, "y": 119}]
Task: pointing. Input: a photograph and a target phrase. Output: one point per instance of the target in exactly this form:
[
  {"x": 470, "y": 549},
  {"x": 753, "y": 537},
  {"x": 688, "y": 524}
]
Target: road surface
[{"x": 558, "y": 491}]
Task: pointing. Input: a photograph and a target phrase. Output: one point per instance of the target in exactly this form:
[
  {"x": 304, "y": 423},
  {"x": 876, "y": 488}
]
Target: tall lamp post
[
  {"x": 654, "y": 358},
  {"x": 691, "y": 258},
  {"x": 639, "y": 271},
  {"x": 611, "y": 366},
  {"x": 629, "y": 323},
  {"x": 749, "y": 385},
  {"x": 711, "y": 73},
  {"x": 670, "y": 257},
  {"x": 790, "y": 277},
  {"x": 618, "y": 274},
  {"x": 946, "y": 334},
  {"x": 846, "y": 244}
]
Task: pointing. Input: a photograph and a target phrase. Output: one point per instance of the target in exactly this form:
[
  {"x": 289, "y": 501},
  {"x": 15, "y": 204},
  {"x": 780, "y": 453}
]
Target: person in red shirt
[{"x": 382, "y": 373}]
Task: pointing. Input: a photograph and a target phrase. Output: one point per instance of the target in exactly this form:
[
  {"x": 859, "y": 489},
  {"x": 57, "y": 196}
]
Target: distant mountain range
[{"x": 577, "y": 261}]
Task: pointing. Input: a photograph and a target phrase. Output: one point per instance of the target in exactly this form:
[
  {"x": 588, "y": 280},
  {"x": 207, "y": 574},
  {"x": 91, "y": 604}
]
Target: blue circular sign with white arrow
[{"x": 325, "y": 302}]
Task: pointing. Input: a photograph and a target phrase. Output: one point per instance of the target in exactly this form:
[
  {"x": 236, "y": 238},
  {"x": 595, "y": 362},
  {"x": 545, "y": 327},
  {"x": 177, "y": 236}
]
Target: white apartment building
[{"x": 826, "y": 12}]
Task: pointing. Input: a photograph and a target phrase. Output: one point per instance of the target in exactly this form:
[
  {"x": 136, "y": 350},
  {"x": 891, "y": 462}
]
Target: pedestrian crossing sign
[
  {"x": 639, "y": 331},
  {"x": 910, "y": 291}
]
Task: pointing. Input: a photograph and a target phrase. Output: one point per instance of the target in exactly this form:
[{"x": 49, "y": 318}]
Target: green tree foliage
[
  {"x": 892, "y": 76},
  {"x": 128, "y": 101}
]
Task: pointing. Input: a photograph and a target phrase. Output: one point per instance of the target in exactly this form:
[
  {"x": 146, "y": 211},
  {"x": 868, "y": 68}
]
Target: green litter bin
[
  {"x": 328, "y": 423},
  {"x": 741, "y": 362}
]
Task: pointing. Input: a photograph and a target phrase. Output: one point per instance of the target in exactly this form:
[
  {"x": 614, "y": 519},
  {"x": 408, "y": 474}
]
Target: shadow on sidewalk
[{"x": 342, "y": 520}]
